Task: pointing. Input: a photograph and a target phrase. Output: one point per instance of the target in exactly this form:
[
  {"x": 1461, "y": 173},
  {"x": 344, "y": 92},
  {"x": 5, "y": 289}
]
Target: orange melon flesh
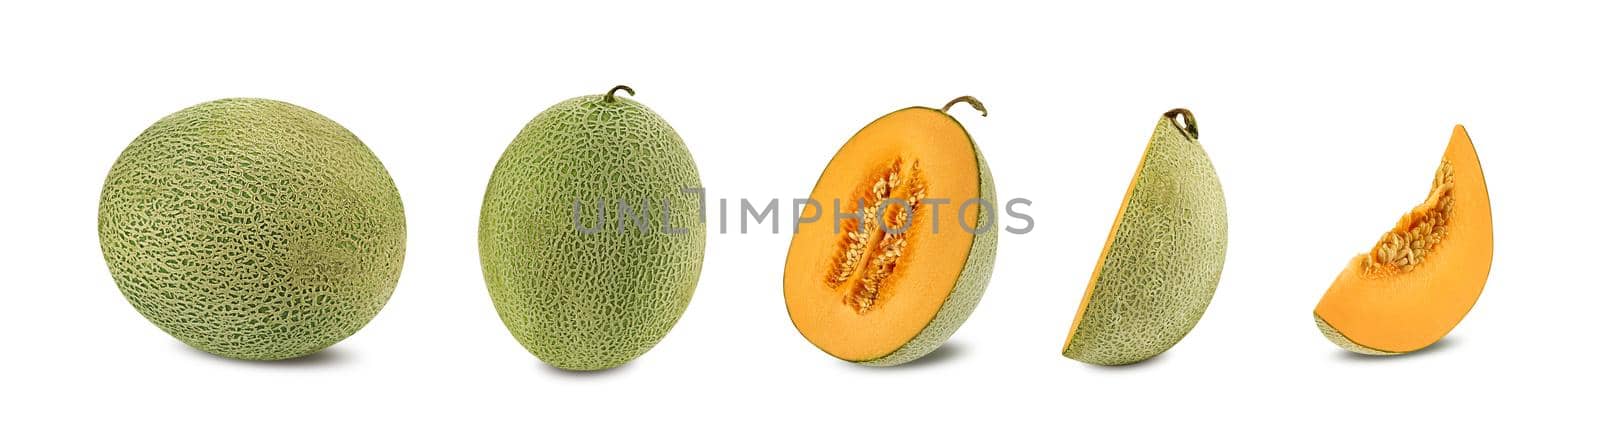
[
  {"x": 1385, "y": 305},
  {"x": 861, "y": 310}
]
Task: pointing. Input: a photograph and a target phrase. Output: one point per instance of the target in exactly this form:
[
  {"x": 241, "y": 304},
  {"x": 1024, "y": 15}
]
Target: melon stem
[
  {"x": 965, "y": 99},
  {"x": 612, "y": 95},
  {"x": 1189, "y": 125}
]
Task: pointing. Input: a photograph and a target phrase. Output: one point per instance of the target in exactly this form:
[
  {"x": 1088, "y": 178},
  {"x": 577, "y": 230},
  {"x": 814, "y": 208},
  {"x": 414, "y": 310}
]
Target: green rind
[
  {"x": 252, "y": 229},
  {"x": 591, "y": 301},
  {"x": 1339, "y": 339},
  {"x": 969, "y": 287},
  {"x": 1164, "y": 263}
]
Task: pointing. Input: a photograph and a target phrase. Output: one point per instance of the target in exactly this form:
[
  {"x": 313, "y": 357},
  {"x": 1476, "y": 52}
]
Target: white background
[{"x": 1324, "y": 122}]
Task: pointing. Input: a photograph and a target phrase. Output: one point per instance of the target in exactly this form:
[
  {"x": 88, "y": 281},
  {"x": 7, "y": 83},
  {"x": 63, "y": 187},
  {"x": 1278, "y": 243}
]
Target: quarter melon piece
[
  {"x": 1163, "y": 258},
  {"x": 590, "y": 234},
  {"x": 252, "y": 229},
  {"x": 1424, "y": 274},
  {"x": 894, "y": 281}
]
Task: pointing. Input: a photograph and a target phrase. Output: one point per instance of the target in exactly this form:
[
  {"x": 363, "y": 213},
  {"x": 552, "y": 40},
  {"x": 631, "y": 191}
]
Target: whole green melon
[
  {"x": 252, "y": 229},
  {"x": 591, "y": 236}
]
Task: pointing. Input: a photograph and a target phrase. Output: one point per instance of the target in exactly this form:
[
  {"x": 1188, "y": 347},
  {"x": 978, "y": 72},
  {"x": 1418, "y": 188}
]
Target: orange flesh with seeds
[
  {"x": 1423, "y": 276},
  {"x": 863, "y": 291}
]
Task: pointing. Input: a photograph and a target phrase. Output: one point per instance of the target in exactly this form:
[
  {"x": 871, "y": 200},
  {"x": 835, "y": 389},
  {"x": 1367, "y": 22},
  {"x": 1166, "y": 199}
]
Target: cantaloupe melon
[
  {"x": 582, "y": 283},
  {"x": 1163, "y": 258},
  {"x": 882, "y": 292},
  {"x": 252, "y": 229},
  {"x": 1425, "y": 274}
]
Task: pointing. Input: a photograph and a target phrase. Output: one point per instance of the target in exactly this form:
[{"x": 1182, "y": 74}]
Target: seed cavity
[
  {"x": 1408, "y": 245},
  {"x": 868, "y": 253}
]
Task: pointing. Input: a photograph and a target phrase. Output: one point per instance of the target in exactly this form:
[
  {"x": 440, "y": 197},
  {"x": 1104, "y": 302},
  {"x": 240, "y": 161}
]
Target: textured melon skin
[
  {"x": 1343, "y": 342},
  {"x": 591, "y": 301},
  {"x": 252, "y": 229},
  {"x": 1162, "y": 267},
  {"x": 969, "y": 287}
]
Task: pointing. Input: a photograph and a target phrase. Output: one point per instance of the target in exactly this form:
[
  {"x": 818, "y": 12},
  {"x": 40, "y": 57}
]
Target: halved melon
[
  {"x": 885, "y": 291},
  {"x": 1163, "y": 257},
  {"x": 1423, "y": 276}
]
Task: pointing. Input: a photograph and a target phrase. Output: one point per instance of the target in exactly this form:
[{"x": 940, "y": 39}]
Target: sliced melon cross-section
[{"x": 884, "y": 291}]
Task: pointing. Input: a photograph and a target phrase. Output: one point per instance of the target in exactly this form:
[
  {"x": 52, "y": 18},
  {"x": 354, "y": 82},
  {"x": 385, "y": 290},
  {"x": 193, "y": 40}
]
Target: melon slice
[
  {"x": 887, "y": 291},
  {"x": 1423, "y": 275},
  {"x": 1163, "y": 258}
]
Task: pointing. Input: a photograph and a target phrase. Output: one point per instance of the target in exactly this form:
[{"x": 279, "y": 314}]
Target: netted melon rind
[
  {"x": 1339, "y": 339},
  {"x": 252, "y": 229},
  {"x": 591, "y": 301},
  {"x": 1165, "y": 260}
]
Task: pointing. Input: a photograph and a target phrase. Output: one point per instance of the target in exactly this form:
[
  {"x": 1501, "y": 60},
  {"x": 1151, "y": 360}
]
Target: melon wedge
[{"x": 1425, "y": 274}]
